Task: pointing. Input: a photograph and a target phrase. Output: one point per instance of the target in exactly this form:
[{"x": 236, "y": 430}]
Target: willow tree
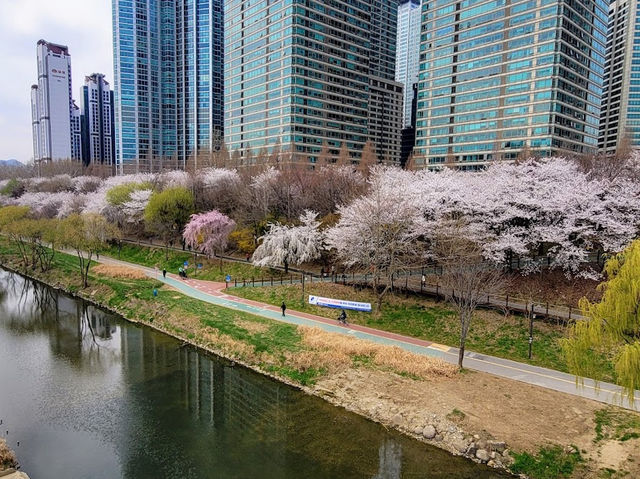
[{"x": 612, "y": 331}]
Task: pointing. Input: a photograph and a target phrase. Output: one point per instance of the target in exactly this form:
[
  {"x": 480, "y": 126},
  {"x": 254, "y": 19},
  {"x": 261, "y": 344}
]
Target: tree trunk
[
  {"x": 86, "y": 272},
  {"x": 464, "y": 329},
  {"x": 379, "y": 304},
  {"x": 286, "y": 266}
]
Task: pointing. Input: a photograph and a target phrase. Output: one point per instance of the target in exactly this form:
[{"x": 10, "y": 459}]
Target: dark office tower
[
  {"x": 96, "y": 108},
  {"x": 385, "y": 102},
  {"x": 168, "y": 65}
]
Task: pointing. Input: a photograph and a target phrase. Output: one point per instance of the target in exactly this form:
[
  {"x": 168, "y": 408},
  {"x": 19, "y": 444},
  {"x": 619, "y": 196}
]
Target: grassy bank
[
  {"x": 299, "y": 354},
  {"x": 213, "y": 269},
  {"x": 490, "y": 333}
]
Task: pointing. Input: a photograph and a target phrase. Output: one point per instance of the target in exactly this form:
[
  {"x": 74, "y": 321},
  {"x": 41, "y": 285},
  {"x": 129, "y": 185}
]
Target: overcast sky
[{"x": 83, "y": 25}]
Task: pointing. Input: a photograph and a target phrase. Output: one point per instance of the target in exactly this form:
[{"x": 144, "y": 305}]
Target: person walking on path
[
  {"x": 164, "y": 273},
  {"x": 283, "y": 308}
]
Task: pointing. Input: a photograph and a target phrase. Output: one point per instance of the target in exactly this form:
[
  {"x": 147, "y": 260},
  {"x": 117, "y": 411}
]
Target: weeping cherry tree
[
  {"x": 286, "y": 245},
  {"x": 208, "y": 232}
]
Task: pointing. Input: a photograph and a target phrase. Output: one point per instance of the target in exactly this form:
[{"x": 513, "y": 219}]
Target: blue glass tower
[
  {"x": 303, "y": 75},
  {"x": 501, "y": 78},
  {"x": 168, "y": 67}
]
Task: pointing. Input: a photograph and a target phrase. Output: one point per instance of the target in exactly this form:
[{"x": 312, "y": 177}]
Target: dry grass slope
[
  {"x": 335, "y": 351},
  {"x": 123, "y": 272}
]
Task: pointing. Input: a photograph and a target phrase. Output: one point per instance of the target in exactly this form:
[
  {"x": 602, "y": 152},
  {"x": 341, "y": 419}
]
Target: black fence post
[
  {"x": 235, "y": 282},
  {"x": 569, "y": 312},
  {"x": 253, "y": 281}
]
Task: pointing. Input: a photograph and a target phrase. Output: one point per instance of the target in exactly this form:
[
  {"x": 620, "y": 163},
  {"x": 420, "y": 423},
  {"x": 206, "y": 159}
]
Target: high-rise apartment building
[
  {"x": 299, "y": 76},
  {"x": 620, "y": 117},
  {"x": 168, "y": 66},
  {"x": 52, "y": 108},
  {"x": 499, "y": 77},
  {"x": 76, "y": 132},
  {"x": 407, "y": 53},
  {"x": 96, "y": 106}
]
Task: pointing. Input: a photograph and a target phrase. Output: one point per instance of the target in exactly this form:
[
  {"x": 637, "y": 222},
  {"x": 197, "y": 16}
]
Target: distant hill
[{"x": 11, "y": 162}]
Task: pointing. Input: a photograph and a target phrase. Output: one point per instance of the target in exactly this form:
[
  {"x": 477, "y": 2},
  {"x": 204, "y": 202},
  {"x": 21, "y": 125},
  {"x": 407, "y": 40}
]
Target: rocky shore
[{"x": 9, "y": 463}]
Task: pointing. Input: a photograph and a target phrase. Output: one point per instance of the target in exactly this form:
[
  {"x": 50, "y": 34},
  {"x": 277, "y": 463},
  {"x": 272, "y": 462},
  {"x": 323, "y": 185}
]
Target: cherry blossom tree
[
  {"x": 175, "y": 178},
  {"x": 133, "y": 209},
  {"x": 538, "y": 210},
  {"x": 380, "y": 233},
  {"x": 208, "y": 232},
  {"x": 86, "y": 184},
  {"x": 218, "y": 188},
  {"x": 47, "y": 205},
  {"x": 286, "y": 245}
]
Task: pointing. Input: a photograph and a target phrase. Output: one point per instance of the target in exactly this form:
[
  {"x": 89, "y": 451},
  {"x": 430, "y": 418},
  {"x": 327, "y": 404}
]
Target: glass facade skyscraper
[
  {"x": 620, "y": 118},
  {"x": 499, "y": 77},
  {"x": 168, "y": 66},
  {"x": 407, "y": 56},
  {"x": 298, "y": 74}
]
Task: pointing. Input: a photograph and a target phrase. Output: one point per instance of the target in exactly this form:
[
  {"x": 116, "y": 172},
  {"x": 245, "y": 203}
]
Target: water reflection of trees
[{"x": 76, "y": 330}]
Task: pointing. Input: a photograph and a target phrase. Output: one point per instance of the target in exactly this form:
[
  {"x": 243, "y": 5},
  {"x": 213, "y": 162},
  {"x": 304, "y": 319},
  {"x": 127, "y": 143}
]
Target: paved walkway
[{"x": 214, "y": 293}]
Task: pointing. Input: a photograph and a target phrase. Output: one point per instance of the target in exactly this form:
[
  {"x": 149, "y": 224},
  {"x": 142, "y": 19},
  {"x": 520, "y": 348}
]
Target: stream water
[{"x": 88, "y": 395}]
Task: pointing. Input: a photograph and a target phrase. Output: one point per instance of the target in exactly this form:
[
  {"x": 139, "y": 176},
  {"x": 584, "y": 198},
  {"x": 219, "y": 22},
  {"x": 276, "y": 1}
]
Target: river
[{"x": 89, "y": 395}]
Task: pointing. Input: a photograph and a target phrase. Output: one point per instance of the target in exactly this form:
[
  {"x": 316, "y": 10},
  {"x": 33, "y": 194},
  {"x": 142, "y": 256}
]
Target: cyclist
[{"x": 343, "y": 318}]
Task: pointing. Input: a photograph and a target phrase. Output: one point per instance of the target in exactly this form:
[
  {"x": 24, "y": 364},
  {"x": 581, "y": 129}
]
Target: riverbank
[
  {"x": 9, "y": 463},
  {"x": 461, "y": 413}
]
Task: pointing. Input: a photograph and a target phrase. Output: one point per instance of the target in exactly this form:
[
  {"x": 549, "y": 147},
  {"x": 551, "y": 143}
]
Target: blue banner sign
[{"x": 339, "y": 303}]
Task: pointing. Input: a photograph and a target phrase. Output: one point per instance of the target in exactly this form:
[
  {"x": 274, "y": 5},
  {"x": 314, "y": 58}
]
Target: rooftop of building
[{"x": 55, "y": 47}]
